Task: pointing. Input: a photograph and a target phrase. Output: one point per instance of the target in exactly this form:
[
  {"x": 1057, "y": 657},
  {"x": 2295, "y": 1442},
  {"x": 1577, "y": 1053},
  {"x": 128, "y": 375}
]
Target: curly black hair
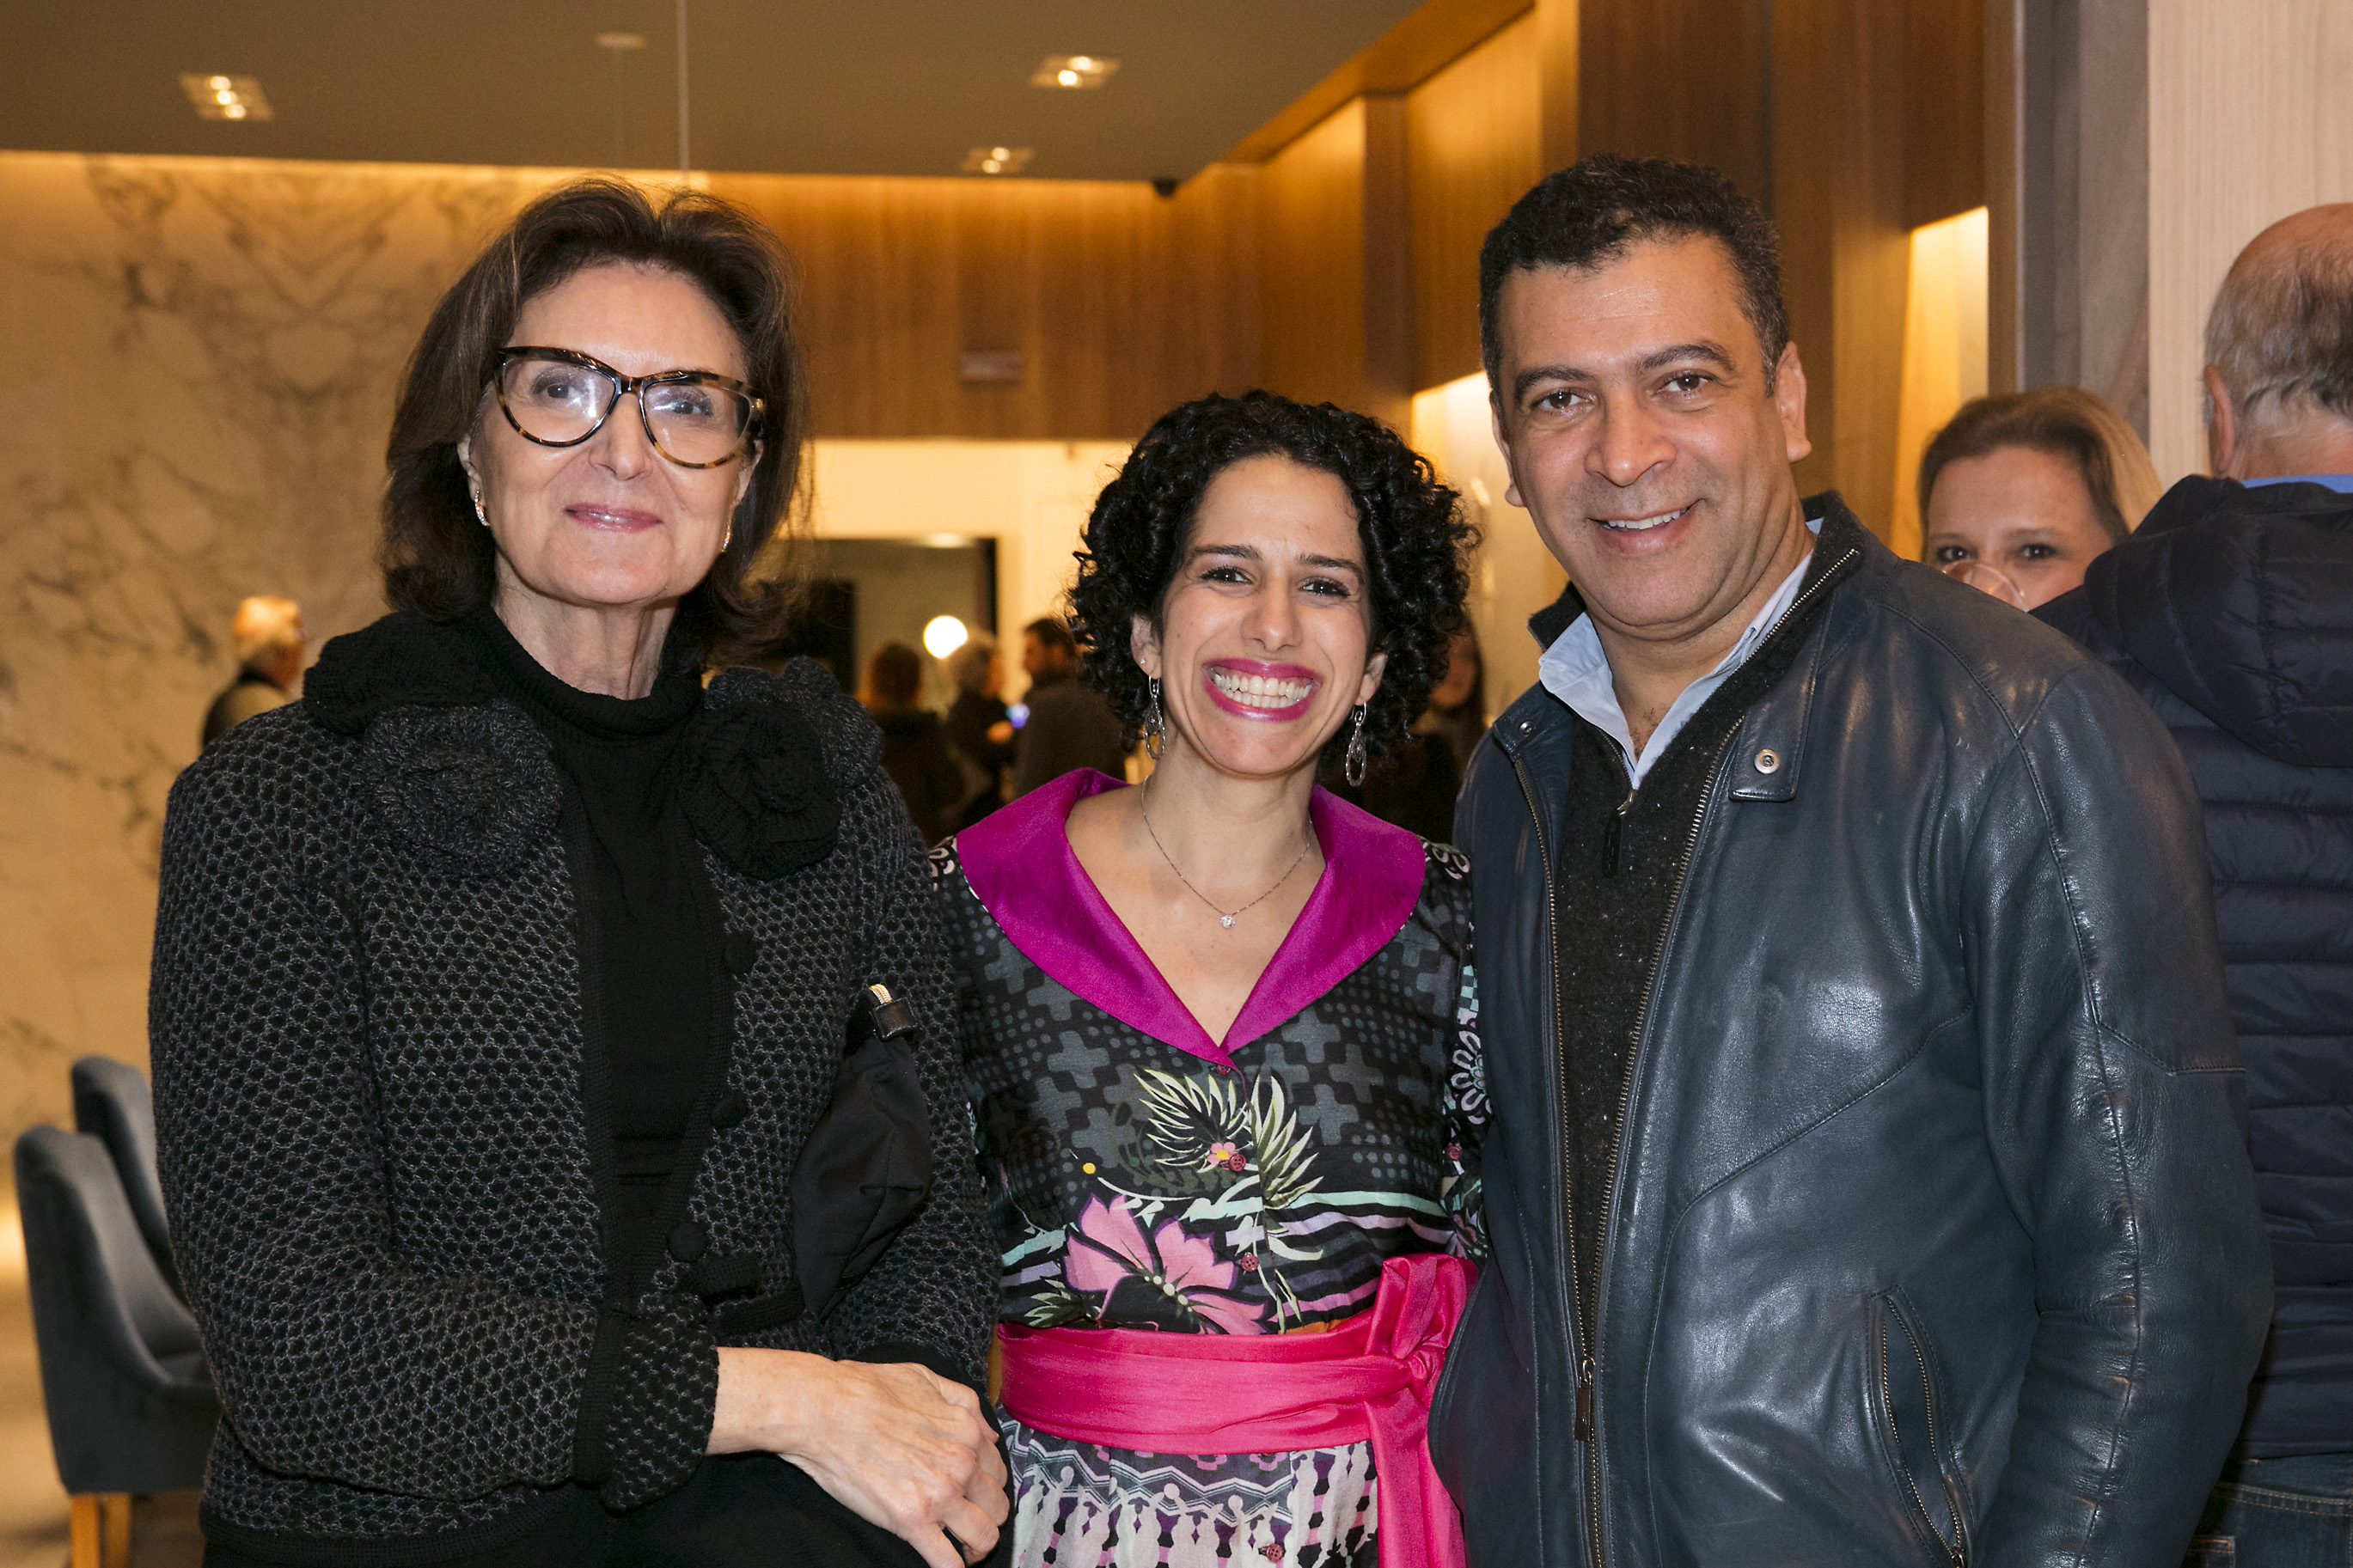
[{"x": 1411, "y": 528}]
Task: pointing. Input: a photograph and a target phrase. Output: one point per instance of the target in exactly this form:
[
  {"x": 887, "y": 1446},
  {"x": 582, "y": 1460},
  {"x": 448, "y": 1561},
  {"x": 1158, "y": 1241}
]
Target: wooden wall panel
[
  {"x": 2249, "y": 120},
  {"x": 1839, "y": 152},
  {"x": 1558, "y": 25},
  {"x": 1388, "y": 383},
  {"x": 1473, "y": 146},
  {"x": 1680, "y": 79},
  {"x": 1214, "y": 310},
  {"x": 1432, "y": 35},
  {"x": 1312, "y": 262},
  {"x": 1944, "y": 106},
  {"x": 1121, "y": 302}
]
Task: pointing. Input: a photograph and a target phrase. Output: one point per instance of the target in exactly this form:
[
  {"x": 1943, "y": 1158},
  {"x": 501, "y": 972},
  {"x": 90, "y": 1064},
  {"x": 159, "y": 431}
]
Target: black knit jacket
[{"x": 381, "y": 1110}]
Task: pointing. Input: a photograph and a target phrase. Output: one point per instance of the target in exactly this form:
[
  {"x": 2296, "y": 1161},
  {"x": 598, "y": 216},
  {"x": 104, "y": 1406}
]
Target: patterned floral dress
[{"x": 1141, "y": 1175}]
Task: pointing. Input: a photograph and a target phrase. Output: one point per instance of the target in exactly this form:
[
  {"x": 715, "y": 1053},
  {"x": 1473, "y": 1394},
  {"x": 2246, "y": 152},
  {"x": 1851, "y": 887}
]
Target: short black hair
[
  {"x": 1052, "y": 633},
  {"x": 1411, "y": 528},
  {"x": 1591, "y": 212}
]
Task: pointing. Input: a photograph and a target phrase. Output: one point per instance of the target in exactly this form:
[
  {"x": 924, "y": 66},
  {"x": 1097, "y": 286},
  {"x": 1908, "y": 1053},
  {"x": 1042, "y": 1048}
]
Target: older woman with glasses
[{"x": 553, "y": 1064}]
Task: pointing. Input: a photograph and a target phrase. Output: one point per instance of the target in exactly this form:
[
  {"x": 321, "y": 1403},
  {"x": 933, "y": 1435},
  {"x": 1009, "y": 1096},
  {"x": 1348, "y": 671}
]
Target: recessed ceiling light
[
  {"x": 997, "y": 159},
  {"x": 1073, "y": 71},
  {"x": 225, "y": 97}
]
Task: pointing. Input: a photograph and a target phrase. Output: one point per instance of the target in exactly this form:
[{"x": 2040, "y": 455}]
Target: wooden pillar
[
  {"x": 2068, "y": 185},
  {"x": 2005, "y": 178},
  {"x": 1688, "y": 79},
  {"x": 1387, "y": 371},
  {"x": 1337, "y": 278},
  {"x": 1838, "y": 153},
  {"x": 1557, "y": 39}
]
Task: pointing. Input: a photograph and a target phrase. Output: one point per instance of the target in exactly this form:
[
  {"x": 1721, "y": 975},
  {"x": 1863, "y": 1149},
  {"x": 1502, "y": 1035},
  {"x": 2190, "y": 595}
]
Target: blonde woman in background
[{"x": 2018, "y": 492}]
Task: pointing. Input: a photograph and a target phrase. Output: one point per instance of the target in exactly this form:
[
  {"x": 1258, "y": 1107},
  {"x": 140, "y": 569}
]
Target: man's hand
[{"x": 897, "y": 1445}]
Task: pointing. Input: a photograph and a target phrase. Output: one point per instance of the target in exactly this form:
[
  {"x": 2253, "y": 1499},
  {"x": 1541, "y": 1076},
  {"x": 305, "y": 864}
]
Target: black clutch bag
[{"x": 867, "y": 1165}]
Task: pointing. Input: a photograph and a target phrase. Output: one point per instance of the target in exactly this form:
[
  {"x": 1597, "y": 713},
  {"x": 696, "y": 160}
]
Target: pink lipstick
[{"x": 1253, "y": 688}]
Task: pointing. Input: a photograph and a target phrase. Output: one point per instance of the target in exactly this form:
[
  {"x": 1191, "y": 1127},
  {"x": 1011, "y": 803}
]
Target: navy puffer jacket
[{"x": 2231, "y": 611}]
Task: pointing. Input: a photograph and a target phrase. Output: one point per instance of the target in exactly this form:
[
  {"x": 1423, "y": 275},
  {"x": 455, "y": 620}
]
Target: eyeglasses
[{"x": 557, "y": 397}]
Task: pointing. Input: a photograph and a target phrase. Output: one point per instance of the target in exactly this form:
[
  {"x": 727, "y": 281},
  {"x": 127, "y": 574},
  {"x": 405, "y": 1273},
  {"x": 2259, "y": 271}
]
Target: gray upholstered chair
[
  {"x": 113, "y": 1104},
  {"x": 130, "y": 1402}
]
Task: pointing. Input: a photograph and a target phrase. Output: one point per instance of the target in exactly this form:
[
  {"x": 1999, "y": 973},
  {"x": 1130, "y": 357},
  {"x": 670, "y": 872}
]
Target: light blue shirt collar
[
  {"x": 1575, "y": 669},
  {"x": 2333, "y": 482}
]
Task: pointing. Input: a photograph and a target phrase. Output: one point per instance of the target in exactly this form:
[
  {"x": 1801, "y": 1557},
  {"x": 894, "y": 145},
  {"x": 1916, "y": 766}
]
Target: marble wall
[{"x": 200, "y": 362}]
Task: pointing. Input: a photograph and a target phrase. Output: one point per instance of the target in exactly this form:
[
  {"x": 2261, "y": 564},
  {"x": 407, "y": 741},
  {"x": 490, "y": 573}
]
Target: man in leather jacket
[{"x": 1867, "y": 1183}]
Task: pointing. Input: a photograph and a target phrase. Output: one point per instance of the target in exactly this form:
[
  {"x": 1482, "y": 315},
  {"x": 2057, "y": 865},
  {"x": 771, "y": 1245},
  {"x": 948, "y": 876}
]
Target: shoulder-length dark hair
[
  {"x": 1410, "y": 526},
  {"x": 439, "y": 560}
]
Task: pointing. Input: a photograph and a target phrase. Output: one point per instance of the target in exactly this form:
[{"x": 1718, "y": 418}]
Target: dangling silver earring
[
  {"x": 730, "y": 539},
  {"x": 479, "y": 515},
  {"x": 1155, "y": 726},
  {"x": 1356, "y": 763}
]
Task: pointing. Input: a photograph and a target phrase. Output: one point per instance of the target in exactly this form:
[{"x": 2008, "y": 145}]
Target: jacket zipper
[
  {"x": 1584, "y": 1424},
  {"x": 1614, "y": 830},
  {"x": 1953, "y": 1548},
  {"x": 1586, "y": 1397},
  {"x": 1588, "y": 1368}
]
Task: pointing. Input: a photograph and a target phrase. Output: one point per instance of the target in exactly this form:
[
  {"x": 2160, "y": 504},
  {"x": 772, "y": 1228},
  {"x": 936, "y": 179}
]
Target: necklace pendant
[{"x": 1226, "y": 921}]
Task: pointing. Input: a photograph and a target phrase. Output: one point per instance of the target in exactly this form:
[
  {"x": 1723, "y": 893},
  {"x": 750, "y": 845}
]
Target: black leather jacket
[{"x": 1932, "y": 1238}]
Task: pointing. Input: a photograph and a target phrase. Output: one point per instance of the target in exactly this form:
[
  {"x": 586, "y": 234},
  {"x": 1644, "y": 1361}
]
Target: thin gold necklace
[{"x": 1226, "y": 918}]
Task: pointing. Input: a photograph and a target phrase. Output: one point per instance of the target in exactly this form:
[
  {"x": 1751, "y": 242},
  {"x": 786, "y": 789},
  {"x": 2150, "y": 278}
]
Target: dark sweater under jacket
[
  {"x": 655, "y": 954},
  {"x": 385, "y": 1116},
  {"x": 1620, "y": 860},
  {"x": 2231, "y": 611}
]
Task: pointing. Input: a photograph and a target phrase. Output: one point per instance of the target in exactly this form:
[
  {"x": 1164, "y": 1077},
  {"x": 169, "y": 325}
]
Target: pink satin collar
[{"x": 1019, "y": 863}]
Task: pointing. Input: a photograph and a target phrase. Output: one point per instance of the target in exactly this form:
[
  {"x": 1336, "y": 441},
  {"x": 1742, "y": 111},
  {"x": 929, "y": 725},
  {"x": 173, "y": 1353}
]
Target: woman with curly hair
[
  {"x": 1219, "y": 1029},
  {"x": 554, "y": 1079}
]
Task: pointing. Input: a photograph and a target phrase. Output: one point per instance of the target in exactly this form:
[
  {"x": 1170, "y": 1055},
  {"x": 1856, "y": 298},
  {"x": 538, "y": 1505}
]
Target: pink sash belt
[{"x": 1370, "y": 1378}]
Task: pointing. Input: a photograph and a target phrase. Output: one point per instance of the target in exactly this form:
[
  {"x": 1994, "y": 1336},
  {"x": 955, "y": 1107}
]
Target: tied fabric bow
[{"x": 1370, "y": 1378}]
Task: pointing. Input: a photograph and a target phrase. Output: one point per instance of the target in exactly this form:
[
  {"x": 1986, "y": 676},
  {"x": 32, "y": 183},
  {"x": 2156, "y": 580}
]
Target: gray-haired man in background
[
  {"x": 269, "y": 643},
  {"x": 2231, "y": 611}
]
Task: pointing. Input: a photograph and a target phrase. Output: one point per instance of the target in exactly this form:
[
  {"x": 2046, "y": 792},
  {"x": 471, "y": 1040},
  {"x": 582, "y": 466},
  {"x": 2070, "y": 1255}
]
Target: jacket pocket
[{"x": 1908, "y": 1414}]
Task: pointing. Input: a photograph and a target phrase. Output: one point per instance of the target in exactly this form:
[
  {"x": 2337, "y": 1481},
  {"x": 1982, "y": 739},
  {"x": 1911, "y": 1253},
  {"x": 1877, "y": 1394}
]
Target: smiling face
[
  {"x": 610, "y": 524},
  {"x": 2022, "y": 511},
  {"x": 1632, "y": 403},
  {"x": 1265, "y": 632}
]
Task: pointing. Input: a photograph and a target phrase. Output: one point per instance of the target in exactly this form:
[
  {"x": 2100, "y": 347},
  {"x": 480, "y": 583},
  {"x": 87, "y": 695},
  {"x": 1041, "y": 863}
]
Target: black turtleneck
[{"x": 650, "y": 946}]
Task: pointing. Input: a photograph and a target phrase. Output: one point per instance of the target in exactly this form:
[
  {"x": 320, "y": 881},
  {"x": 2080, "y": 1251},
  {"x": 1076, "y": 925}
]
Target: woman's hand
[{"x": 897, "y": 1445}]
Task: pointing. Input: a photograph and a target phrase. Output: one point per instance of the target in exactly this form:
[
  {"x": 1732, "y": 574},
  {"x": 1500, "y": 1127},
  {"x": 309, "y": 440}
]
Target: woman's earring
[
  {"x": 1155, "y": 726},
  {"x": 479, "y": 515},
  {"x": 730, "y": 539},
  {"x": 1356, "y": 763}
]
